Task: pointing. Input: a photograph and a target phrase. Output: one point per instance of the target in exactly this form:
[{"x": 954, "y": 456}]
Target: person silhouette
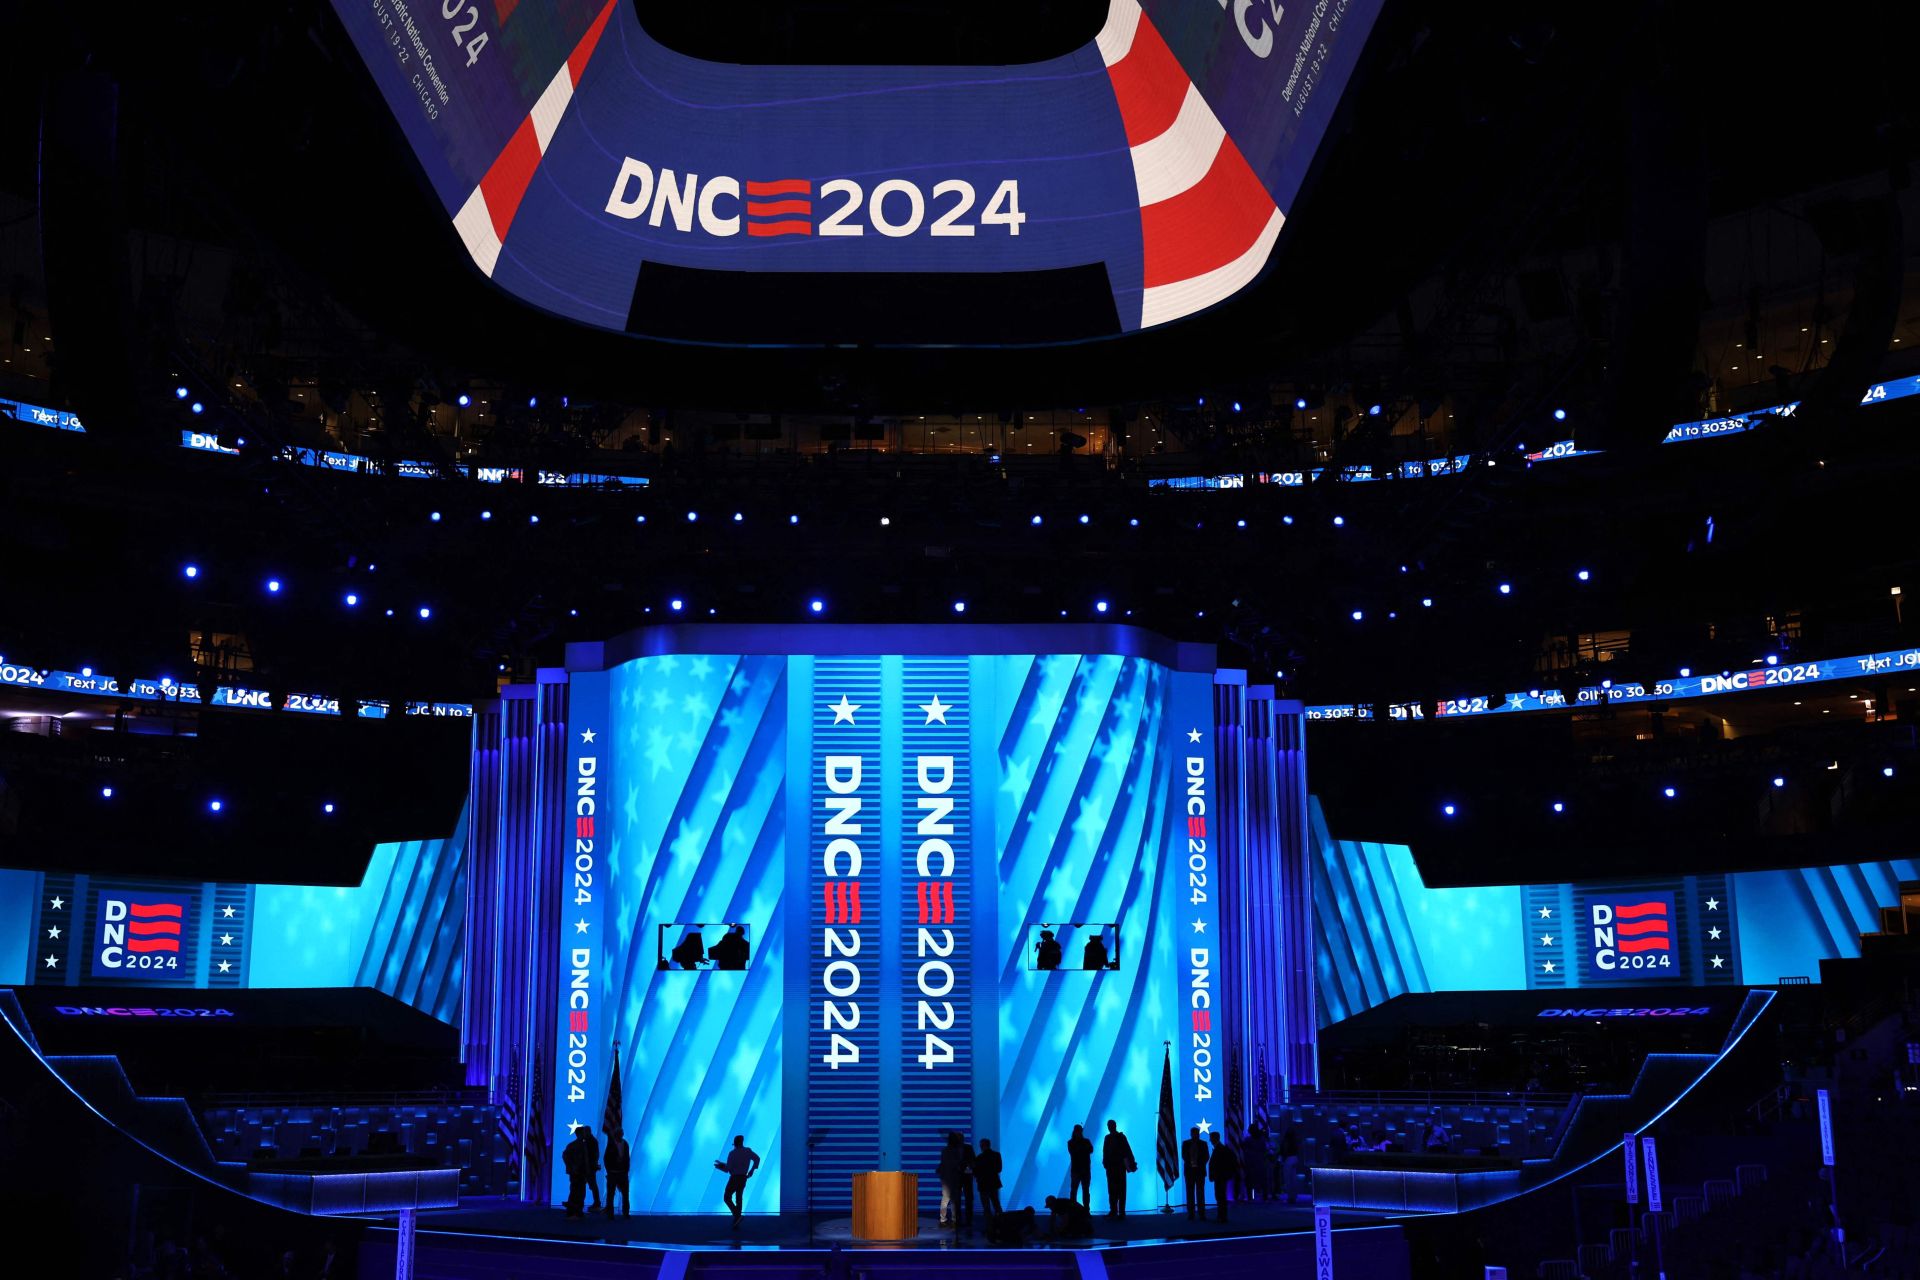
[
  {"x": 741, "y": 1163},
  {"x": 619, "y": 1159},
  {"x": 1080, "y": 1168},
  {"x": 691, "y": 953},
  {"x": 1223, "y": 1167},
  {"x": 575, "y": 1157},
  {"x": 1116, "y": 1157},
  {"x": 986, "y": 1175},
  {"x": 1193, "y": 1167},
  {"x": 955, "y": 1172},
  {"x": 1047, "y": 951},
  {"x": 731, "y": 951},
  {"x": 1095, "y": 954},
  {"x": 1071, "y": 1221},
  {"x": 593, "y": 1165}
]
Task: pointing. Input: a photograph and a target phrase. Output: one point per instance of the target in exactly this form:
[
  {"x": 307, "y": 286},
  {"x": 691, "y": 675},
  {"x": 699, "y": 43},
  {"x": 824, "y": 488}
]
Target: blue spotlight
[
  {"x": 639, "y": 519},
  {"x": 1134, "y": 523},
  {"x": 1240, "y": 524},
  {"x": 191, "y": 571},
  {"x": 1083, "y": 518},
  {"x": 533, "y": 402},
  {"x": 87, "y": 672},
  {"x": 1300, "y": 403},
  {"x": 1203, "y": 402},
  {"x": 352, "y": 599},
  {"x": 1358, "y": 615},
  {"x": 886, "y": 521},
  {"x": 676, "y": 604},
  {"x": 817, "y": 606},
  {"x": 1035, "y": 520},
  {"x": 1447, "y": 809},
  {"x": 1339, "y": 522},
  {"x": 533, "y": 519},
  {"x": 1773, "y": 659},
  {"x": 1099, "y": 606},
  {"x": 1685, "y": 672},
  {"x": 692, "y": 516},
  {"x": 273, "y": 586},
  {"x": 1506, "y": 588},
  {"x": 215, "y": 806},
  {"x": 1373, "y": 411},
  {"x": 1887, "y": 772},
  {"x": 197, "y": 407},
  {"x": 1669, "y": 792},
  {"x": 435, "y": 517},
  {"x": 959, "y": 606},
  {"x": 1779, "y": 782},
  {"x": 465, "y": 400},
  {"x": 1558, "y": 807},
  {"x": 1584, "y": 575},
  {"x": 1426, "y": 602},
  {"x": 1236, "y": 406},
  {"x": 737, "y": 517},
  {"x": 327, "y": 807},
  {"x": 106, "y": 793},
  {"x": 486, "y": 515},
  {"x": 1286, "y": 519},
  {"x": 1559, "y": 415},
  {"x": 425, "y": 612},
  {"x": 180, "y": 393},
  {"x": 793, "y": 519}
]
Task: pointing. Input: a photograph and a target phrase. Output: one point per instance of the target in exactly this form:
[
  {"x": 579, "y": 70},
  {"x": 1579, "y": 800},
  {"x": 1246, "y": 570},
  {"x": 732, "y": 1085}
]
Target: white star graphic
[
  {"x": 1193, "y": 735},
  {"x": 226, "y": 966},
  {"x": 53, "y": 931},
  {"x": 1713, "y": 904},
  {"x": 843, "y": 710},
  {"x": 1713, "y": 935},
  {"x": 579, "y": 926},
  {"x": 226, "y": 913},
  {"x": 1206, "y": 1126},
  {"x": 1546, "y": 967},
  {"x": 936, "y": 710},
  {"x": 1546, "y": 939},
  {"x": 1199, "y": 926},
  {"x": 586, "y": 735},
  {"x": 1717, "y": 962},
  {"x": 53, "y": 962},
  {"x": 1546, "y": 913},
  {"x": 226, "y": 939},
  {"x": 58, "y": 903}
]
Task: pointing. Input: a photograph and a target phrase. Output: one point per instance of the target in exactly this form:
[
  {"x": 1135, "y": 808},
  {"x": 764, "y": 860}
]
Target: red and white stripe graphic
[
  {"x": 1206, "y": 222},
  {"x": 484, "y": 219}
]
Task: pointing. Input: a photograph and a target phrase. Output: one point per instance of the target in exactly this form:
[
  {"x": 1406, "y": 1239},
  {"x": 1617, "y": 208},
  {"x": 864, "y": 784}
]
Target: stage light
[
  {"x": 1286, "y": 519},
  {"x": 1357, "y": 615},
  {"x": 425, "y": 612},
  {"x": 1559, "y": 415},
  {"x": 1373, "y": 411},
  {"x": 1887, "y": 772},
  {"x": 533, "y": 402},
  {"x": 1035, "y": 520},
  {"x": 106, "y": 793},
  {"x": 1339, "y": 522},
  {"x": 197, "y": 407},
  {"x": 1300, "y": 402},
  {"x": 1238, "y": 524},
  {"x": 1134, "y": 523},
  {"x": 1779, "y": 782},
  {"x": 1203, "y": 402},
  {"x": 1584, "y": 575},
  {"x": 692, "y": 516},
  {"x": 435, "y": 517},
  {"x": 1506, "y": 588},
  {"x": 1669, "y": 792},
  {"x": 1426, "y": 602},
  {"x": 1558, "y": 807},
  {"x": 87, "y": 672},
  {"x": 1606, "y": 684},
  {"x": 180, "y": 393},
  {"x": 676, "y": 604},
  {"x": 959, "y": 606},
  {"x": 465, "y": 400},
  {"x": 352, "y": 599},
  {"x": 389, "y": 613},
  {"x": 1099, "y": 606},
  {"x": 639, "y": 519},
  {"x": 1685, "y": 672},
  {"x": 486, "y": 515},
  {"x": 1773, "y": 659},
  {"x": 327, "y": 807},
  {"x": 885, "y": 521},
  {"x": 1083, "y": 518},
  {"x": 533, "y": 519},
  {"x": 818, "y": 606},
  {"x": 737, "y": 517},
  {"x": 1236, "y": 406},
  {"x": 1447, "y": 809},
  {"x": 790, "y": 519},
  {"x": 214, "y": 806},
  {"x": 273, "y": 586},
  {"x": 166, "y": 682},
  {"x": 191, "y": 571}
]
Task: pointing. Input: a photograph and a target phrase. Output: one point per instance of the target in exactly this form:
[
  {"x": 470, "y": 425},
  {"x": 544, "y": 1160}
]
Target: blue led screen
[
  {"x": 569, "y": 148},
  {"x": 891, "y": 829}
]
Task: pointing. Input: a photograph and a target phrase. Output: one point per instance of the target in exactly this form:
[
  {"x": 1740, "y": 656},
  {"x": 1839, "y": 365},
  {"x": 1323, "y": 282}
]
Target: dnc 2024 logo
[
  {"x": 1631, "y": 935},
  {"x": 139, "y": 933}
]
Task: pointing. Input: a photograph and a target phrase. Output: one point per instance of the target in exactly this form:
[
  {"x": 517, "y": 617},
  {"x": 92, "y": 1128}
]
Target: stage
[{"x": 488, "y": 1237}]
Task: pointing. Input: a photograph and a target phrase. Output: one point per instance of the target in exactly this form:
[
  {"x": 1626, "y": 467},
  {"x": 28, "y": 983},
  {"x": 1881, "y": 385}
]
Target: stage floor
[{"x": 703, "y": 1232}]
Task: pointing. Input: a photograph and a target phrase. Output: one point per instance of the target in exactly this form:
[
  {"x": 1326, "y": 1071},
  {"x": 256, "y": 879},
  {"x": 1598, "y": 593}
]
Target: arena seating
[{"x": 459, "y": 1128}]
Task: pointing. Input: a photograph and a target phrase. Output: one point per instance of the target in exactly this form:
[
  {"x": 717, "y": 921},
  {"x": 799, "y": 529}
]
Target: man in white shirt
[{"x": 741, "y": 1163}]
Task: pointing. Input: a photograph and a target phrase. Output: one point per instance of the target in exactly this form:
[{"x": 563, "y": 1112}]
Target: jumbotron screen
[
  {"x": 868, "y": 900},
  {"x": 585, "y": 166}
]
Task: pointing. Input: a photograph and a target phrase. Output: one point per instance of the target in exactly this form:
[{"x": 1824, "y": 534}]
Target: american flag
[
  {"x": 1236, "y": 1106},
  {"x": 1167, "y": 1143},
  {"x": 612, "y": 1121},
  {"x": 509, "y": 1110},
  {"x": 536, "y": 1150},
  {"x": 1260, "y": 1093}
]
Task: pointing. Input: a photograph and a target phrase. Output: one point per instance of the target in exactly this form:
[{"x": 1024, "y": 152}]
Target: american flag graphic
[{"x": 1643, "y": 926}]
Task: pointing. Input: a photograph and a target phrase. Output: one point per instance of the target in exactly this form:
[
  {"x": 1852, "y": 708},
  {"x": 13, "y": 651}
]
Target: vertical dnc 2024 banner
[{"x": 970, "y": 893}]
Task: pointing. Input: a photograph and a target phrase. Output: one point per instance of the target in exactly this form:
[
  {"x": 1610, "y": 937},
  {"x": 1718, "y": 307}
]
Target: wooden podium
[{"x": 886, "y": 1205}]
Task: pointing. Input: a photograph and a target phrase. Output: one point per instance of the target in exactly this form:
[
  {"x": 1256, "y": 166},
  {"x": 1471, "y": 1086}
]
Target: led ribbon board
[
  {"x": 892, "y": 831},
  {"x": 570, "y": 150}
]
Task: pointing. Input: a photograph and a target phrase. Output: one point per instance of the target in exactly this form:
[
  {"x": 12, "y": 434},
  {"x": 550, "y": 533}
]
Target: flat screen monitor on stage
[{"x": 894, "y": 835}]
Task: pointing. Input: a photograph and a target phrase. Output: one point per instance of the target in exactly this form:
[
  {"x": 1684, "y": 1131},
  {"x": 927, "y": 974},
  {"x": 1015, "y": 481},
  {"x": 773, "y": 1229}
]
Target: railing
[
  {"x": 423, "y": 1097},
  {"x": 1440, "y": 1098}
]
